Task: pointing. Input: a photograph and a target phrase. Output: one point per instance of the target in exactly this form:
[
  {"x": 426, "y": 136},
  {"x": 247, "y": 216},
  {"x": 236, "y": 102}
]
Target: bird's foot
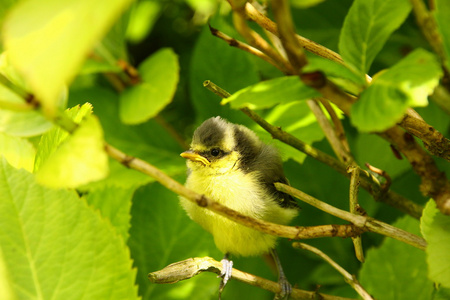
[
  {"x": 227, "y": 267},
  {"x": 286, "y": 289}
]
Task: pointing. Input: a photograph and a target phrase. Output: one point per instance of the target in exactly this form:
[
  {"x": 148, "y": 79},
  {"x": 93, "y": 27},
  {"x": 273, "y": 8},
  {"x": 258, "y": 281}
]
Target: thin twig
[
  {"x": 349, "y": 278},
  {"x": 172, "y": 132},
  {"x": 252, "y": 37},
  {"x": 330, "y": 133},
  {"x": 368, "y": 182},
  {"x": 363, "y": 222},
  {"x": 428, "y": 27},
  {"x": 338, "y": 127},
  {"x": 309, "y": 45},
  {"x": 191, "y": 267},
  {"x": 243, "y": 46},
  {"x": 354, "y": 207},
  {"x": 287, "y": 35},
  {"x": 436, "y": 143}
]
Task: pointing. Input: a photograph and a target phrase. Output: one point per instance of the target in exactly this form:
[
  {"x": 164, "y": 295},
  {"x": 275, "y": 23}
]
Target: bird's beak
[{"x": 189, "y": 154}]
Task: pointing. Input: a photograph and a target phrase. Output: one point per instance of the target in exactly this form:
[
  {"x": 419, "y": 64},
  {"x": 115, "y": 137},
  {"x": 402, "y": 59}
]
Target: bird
[{"x": 229, "y": 164}]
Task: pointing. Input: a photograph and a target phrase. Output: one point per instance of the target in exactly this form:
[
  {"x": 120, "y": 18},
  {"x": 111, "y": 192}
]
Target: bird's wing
[{"x": 284, "y": 200}]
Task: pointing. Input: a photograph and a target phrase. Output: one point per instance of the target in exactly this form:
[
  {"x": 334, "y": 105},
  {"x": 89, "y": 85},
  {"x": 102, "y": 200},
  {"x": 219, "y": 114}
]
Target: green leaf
[
  {"x": 215, "y": 60},
  {"x": 78, "y": 160},
  {"x": 18, "y": 152},
  {"x": 368, "y": 25},
  {"x": 406, "y": 84},
  {"x": 442, "y": 13},
  {"x": 436, "y": 229},
  {"x": 55, "y": 247},
  {"x": 49, "y": 48},
  {"x": 297, "y": 119},
  {"x": 114, "y": 204},
  {"x": 267, "y": 93},
  {"x": 159, "y": 74},
  {"x": 395, "y": 265},
  {"x": 6, "y": 290},
  {"x": 144, "y": 14},
  {"x": 161, "y": 234},
  {"x": 337, "y": 72},
  {"x": 50, "y": 142},
  {"x": 305, "y": 3},
  {"x": 156, "y": 145}
]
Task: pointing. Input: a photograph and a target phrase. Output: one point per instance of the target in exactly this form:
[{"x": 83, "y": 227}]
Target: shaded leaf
[
  {"x": 406, "y": 84},
  {"x": 214, "y": 60},
  {"x": 442, "y": 13},
  {"x": 436, "y": 229},
  {"x": 159, "y": 74},
  {"x": 55, "y": 247},
  {"x": 368, "y": 25},
  {"x": 160, "y": 234},
  {"x": 385, "y": 277}
]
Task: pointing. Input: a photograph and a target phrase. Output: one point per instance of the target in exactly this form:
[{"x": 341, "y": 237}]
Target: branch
[
  {"x": 354, "y": 208},
  {"x": 287, "y": 35},
  {"x": 368, "y": 182},
  {"x": 247, "y": 48},
  {"x": 203, "y": 201},
  {"x": 428, "y": 27},
  {"x": 365, "y": 223},
  {"x": 191, "y": 267},
  {"x": 337, "y": 143},
  {"x": 252, "y": 37},
  {"x": 309, "y": 45},
  {"x": 436, "y": 143},
  {"x": 349, "y": 278}
]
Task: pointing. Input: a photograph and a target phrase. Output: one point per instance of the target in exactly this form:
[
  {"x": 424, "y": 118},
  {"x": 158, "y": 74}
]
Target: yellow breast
[{"x": 241, "y": 192}]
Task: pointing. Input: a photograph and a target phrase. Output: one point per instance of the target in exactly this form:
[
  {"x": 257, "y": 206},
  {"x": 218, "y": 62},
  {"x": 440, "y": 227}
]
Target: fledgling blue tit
[{"x": 229, "y": 164}]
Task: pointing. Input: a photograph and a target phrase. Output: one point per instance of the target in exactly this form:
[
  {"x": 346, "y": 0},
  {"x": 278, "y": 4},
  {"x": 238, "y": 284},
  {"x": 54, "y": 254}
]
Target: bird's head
[{"x": 219, "y": 147}]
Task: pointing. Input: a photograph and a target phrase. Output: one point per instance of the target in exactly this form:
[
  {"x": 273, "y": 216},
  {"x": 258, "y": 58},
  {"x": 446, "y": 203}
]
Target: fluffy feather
[{"x": 240, "y": 175}]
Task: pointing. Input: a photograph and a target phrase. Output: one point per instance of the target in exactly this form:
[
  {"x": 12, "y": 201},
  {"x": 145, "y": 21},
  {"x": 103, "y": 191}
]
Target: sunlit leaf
[
  {"x": 18, "y": 152},
  {"x": 159, "y": 75},
  {"x": 49, "y": 47},
  {"x": 406, "y": 84},
  {"x": 55, "y": 247},
  {"x": 78, "y": 159},
  {"x": 266, "y": 94},
  {"x": 367, "y": 26}
]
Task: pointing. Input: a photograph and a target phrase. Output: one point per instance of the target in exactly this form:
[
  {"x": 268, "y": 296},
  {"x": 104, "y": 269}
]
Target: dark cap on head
[{"x": 210, "y": 133}]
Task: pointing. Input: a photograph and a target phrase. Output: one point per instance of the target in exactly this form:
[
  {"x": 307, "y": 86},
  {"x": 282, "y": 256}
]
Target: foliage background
[{"x": 98, "y": 239}]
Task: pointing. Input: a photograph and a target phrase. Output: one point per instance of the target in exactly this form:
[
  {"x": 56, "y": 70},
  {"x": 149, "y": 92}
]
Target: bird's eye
[{"x": 215, "y": 152}]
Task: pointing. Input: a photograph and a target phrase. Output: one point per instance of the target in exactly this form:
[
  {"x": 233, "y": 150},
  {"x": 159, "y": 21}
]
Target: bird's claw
[
  {"x": 286, "y": 289},
  {"x": 227, "y": 267}
]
